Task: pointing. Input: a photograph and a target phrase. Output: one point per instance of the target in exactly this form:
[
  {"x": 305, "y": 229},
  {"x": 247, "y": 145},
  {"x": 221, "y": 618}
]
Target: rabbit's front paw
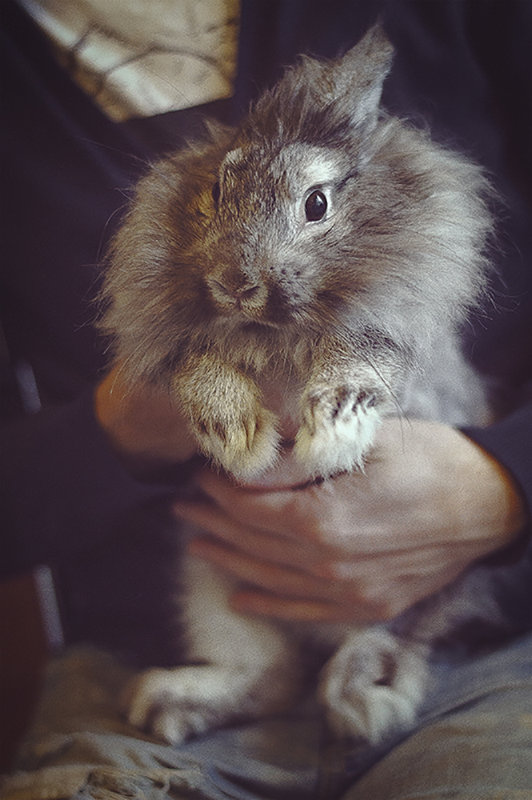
[
  {"x": 241, "y": 438},
  {"x": 338, "y": 428}
]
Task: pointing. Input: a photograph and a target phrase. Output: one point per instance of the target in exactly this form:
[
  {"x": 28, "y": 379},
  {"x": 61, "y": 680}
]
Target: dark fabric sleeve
[
  {"x": 62, "y": 486},
  {"x": 66, "y": 170}
]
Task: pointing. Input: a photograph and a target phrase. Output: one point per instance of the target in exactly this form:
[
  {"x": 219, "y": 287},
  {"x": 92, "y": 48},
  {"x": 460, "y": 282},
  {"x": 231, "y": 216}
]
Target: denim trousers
[{"x": 473, "y": 741}]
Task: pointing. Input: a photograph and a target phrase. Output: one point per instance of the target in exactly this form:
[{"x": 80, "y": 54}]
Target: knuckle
[
  {"x": 380, "y": 602},
  {"x": 303, "y": 523},
  {"x": 389, "y": 607}
]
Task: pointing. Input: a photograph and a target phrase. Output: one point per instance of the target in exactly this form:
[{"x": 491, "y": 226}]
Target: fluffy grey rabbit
[{"x": 334, "y": 251}]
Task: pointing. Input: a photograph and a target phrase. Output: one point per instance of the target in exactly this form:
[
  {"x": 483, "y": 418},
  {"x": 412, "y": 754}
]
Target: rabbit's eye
[
  {"x": 216, "y": 192},
  {"x": 315, "y": 206}
]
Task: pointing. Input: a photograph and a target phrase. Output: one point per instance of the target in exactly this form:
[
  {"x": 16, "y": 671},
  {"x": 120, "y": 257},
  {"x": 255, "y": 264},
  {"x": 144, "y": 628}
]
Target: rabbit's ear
[
  {"x": 322, "y": 101},
  {"x": 358, "y": 77}
]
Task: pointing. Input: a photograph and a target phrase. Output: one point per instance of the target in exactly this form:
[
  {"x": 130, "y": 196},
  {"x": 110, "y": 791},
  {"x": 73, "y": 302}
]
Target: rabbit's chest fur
[{"x": 315, "y": 264}]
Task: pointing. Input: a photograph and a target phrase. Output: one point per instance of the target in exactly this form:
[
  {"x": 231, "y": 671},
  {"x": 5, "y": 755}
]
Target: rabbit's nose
[
  {"x": 242, "y": 292},
  {"x": 246, "y": 292}
]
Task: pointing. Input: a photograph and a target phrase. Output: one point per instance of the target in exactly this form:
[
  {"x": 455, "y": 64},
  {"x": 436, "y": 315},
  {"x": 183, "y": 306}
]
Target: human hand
[
  {"x": 360, "y": 547},
  {"x": 142, "y": 423}
]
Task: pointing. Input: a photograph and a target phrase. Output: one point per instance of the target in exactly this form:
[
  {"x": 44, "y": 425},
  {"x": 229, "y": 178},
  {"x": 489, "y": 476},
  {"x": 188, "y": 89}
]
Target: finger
[
  {"x": 330, "y": 514},
  {"x": 287, "y": 474},
  {"x": 294, "y": 610},
  {"x": 262, "y": 512},
  {"x": 361, "y": 569},
  {"x": 254, "y": 542},
  {"x": 426, "y": 562},
  {"x": 287, "y": 594},
  {"x": 291, "y": 513},
  {"x": 275, "y": 578}
]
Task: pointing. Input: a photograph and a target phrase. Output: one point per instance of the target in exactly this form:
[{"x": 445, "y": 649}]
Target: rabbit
[{"x": 335, "y": 251}]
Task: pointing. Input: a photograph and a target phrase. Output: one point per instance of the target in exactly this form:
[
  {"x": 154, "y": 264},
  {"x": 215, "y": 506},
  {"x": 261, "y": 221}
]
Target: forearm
[{"x": 62, "y": 486}]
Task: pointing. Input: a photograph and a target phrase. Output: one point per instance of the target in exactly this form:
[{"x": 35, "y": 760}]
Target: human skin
[
  {"x": 360, "y": 547},
  {"x": 142, "y": 423}
]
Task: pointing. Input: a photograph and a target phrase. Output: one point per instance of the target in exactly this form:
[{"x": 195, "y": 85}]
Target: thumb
[{"x": 287, "y": 473}]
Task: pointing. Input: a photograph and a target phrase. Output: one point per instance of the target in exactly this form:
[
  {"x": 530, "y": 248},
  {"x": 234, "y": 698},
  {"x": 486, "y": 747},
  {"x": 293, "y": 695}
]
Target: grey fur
[
  {"x": 404, "y": 239},
  {"x": 217, "y": 292}
]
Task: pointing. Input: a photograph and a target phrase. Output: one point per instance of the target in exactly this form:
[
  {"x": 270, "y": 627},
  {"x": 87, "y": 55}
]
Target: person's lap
[{"x": 474, "y": 740}]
